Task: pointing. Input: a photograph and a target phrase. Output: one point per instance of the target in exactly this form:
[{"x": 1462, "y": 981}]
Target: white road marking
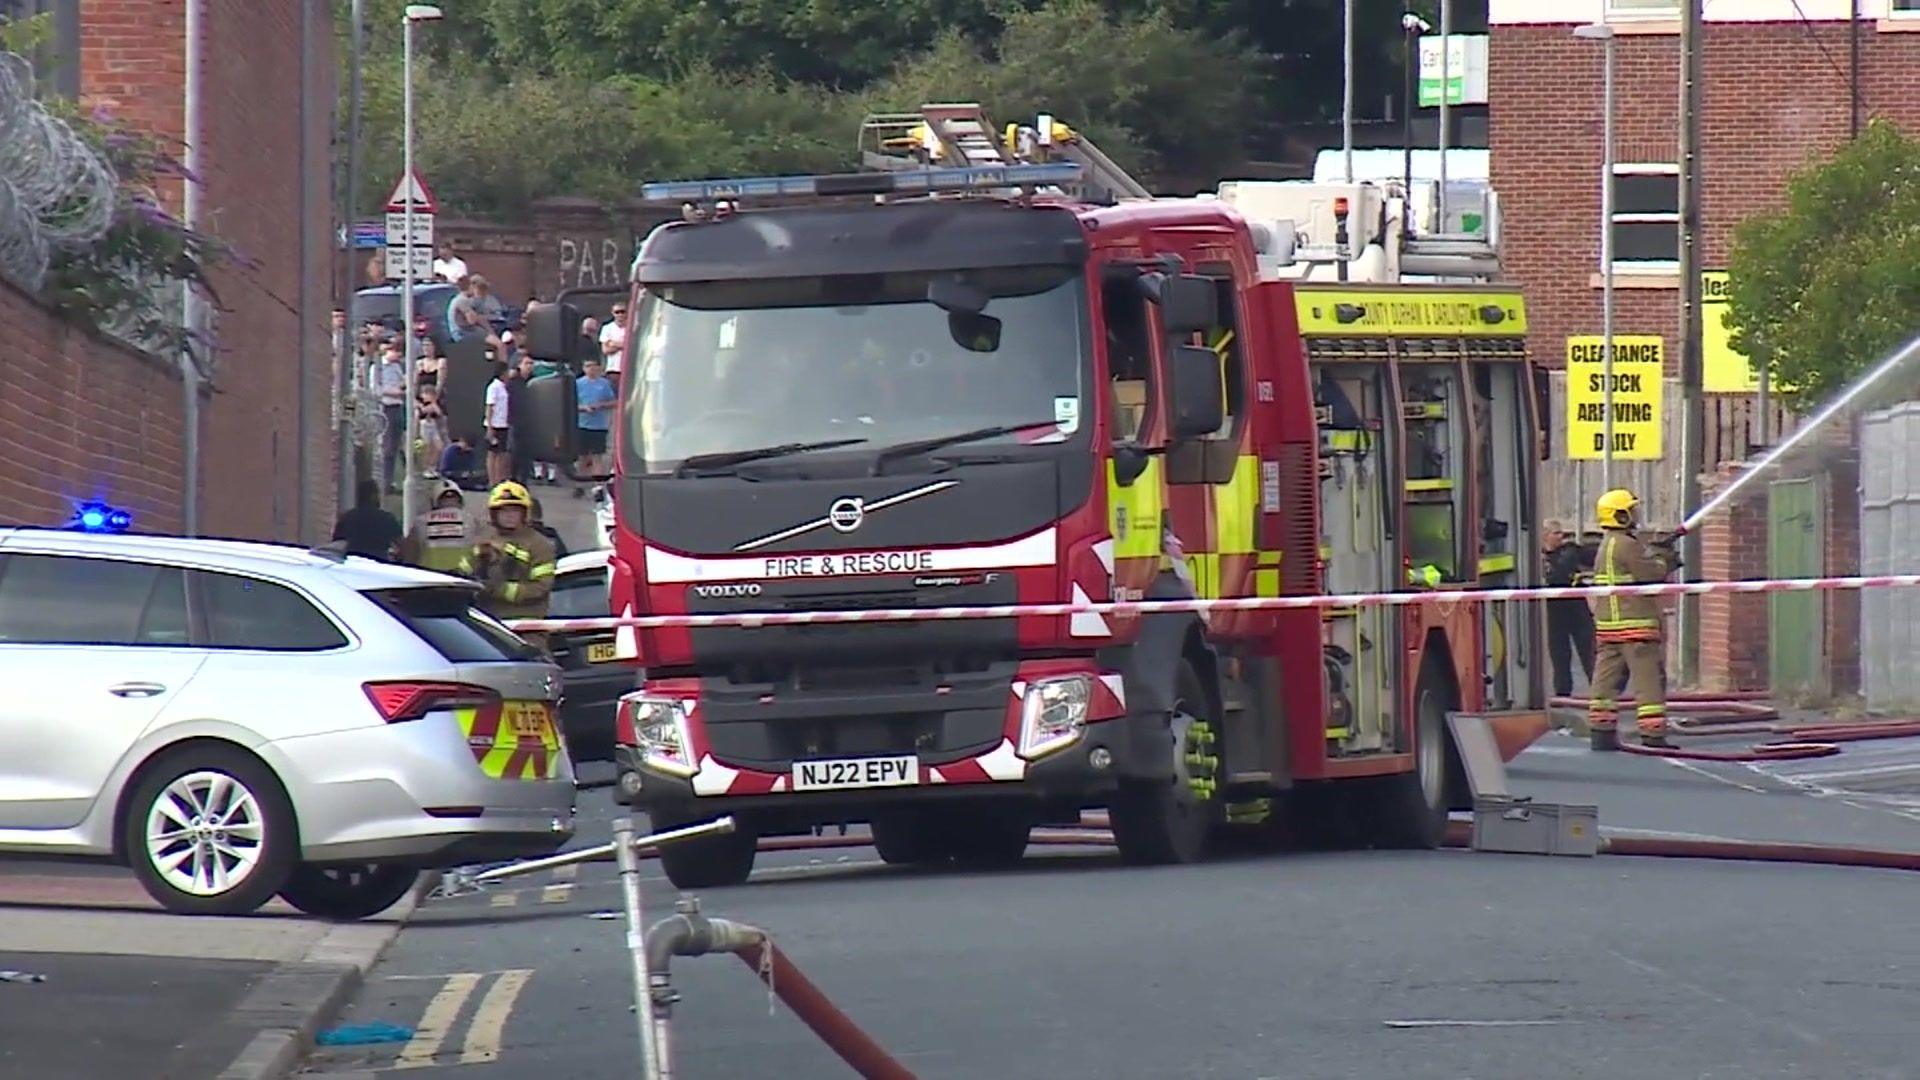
[
  {"x": 441, "y": 1012},
  {"x": 505, "y": 899},
  {"x": 489, "y": 1025},
  {"x": 1470, "y": 1023},
  {"x": 566, "y": 873},
  {"x": 556, "y": 894}
]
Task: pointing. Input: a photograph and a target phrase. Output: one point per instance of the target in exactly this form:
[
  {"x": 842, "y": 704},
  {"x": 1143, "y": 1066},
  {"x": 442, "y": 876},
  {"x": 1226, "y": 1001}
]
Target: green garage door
[{"x": 1796, "y": 630}]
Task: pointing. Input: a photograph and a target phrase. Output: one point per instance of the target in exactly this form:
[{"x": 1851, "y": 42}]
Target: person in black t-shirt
[
  {"x": 1569, "y": 621},
  {"x": 368, "y": 529}
]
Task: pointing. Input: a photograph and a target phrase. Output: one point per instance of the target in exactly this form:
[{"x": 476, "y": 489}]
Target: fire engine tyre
[
  {"x": 346, "y": 893},
  {"x": 1412, "y": 807},
  {"x": 711, "y": 862},
  {"x": 1171, "y": 821},
  {"x": 208, "y": 830}
]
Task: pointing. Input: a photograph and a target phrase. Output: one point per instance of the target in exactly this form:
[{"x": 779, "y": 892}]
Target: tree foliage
[
  {"x": 1830, "y": 283},
  {"x": 516, "y": 99}
]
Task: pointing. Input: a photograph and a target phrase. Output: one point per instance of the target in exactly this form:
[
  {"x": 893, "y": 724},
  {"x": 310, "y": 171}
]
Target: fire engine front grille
[{"x": 823, "y": 712}]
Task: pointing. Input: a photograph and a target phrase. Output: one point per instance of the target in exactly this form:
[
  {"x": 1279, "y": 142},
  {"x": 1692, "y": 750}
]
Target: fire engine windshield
[{"x": 723, "y": 367}]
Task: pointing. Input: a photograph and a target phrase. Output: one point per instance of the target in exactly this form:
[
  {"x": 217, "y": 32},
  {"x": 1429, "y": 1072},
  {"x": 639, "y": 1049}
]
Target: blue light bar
[
  {"x": 98, "y": 517},
  {"x": 905, "y": 181}
]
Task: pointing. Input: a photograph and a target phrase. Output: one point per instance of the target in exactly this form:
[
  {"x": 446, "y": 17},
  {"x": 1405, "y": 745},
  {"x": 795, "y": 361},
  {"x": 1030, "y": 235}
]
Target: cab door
[{"x": 91, "y": 650}]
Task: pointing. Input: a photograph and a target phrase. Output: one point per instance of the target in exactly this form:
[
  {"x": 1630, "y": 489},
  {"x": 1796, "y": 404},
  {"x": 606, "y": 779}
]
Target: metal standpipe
[
  {"x": 625, "y": 850},
  {"x": 653, "y": 1065}
]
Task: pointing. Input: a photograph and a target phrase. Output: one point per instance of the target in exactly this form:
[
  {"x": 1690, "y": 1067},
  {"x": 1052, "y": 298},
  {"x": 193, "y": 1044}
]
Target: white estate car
[{"x": 235, "y": 721}]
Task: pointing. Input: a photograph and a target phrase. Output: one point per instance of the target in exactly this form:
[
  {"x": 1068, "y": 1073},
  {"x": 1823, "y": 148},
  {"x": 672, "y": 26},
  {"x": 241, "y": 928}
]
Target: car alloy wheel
[{"x": 205, "y": 833}]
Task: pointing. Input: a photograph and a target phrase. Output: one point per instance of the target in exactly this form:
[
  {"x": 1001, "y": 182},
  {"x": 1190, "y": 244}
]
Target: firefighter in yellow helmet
[
  {"x": 513, "y": 563},
  {"x": 1626, "y": 629}
]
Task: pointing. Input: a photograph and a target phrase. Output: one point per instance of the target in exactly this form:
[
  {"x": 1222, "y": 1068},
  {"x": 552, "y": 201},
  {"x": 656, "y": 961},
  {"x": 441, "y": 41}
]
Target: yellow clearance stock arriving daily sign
[{"x": 1638, "y": 362}]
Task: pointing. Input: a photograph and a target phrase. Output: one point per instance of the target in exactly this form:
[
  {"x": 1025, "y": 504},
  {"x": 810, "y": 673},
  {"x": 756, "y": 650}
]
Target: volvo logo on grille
[
  {"x": 739, "y": 588},
  {"x": 845, "y": 515}
]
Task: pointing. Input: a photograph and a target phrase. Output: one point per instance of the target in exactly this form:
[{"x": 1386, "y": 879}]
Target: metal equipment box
[{"x": 1521, "y": 826}]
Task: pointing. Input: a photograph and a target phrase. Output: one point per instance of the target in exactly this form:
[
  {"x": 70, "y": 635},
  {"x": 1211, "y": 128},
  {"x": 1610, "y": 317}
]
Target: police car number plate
[{"x": 902, "y": 771}]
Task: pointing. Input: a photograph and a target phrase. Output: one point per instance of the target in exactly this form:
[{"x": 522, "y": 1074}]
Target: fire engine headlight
[
  {"x": 658, "y": 728},
  {"x": 1053, "y": 715}
]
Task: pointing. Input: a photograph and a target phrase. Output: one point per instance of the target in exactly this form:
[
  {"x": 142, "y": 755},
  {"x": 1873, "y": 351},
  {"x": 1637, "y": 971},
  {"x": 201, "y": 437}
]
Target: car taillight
[{"x": 399, "y": 701}]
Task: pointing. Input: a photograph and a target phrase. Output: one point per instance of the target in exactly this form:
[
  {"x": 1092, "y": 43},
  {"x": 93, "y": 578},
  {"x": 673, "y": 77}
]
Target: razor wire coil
[{"x": 56, "y": 192}]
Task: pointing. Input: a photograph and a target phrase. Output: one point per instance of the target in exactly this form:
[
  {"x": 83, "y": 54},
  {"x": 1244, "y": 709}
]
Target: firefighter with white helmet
[
  {"x": 1626, "y": 629},
  {"x": 441, "y": 538},
  {"x": 512, "y": 561}
]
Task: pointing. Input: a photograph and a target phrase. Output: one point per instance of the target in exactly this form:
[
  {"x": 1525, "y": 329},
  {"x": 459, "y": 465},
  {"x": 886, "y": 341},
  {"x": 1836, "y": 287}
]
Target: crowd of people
[
  {"x": 509, "y": 548},
  {"x": 447, "y": 447}
]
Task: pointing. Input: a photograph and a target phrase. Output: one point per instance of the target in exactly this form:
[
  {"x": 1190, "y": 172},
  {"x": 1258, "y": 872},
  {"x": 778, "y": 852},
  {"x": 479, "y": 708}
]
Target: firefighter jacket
[
  {"x": 515, "y": 571},
  {"x": 1625, "y": 559},
  {"x": 439, "y": 540}
]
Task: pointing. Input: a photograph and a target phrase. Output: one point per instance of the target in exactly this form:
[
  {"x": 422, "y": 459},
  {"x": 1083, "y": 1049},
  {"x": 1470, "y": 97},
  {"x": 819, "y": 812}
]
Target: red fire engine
[{"x": 982, "y": 377}]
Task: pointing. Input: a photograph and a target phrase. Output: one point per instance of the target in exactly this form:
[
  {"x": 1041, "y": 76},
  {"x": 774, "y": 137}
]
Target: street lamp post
[
  {"x": 409, "y": 487},
  {"x": 1603, "y": 33}
]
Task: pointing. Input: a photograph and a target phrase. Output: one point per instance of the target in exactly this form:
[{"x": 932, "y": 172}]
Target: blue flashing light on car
[{"x": 99, "y": 517}]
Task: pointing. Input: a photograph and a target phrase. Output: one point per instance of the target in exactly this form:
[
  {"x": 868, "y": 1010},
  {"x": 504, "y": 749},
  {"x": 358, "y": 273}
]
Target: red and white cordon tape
[{"x": 1247, "y": 603}]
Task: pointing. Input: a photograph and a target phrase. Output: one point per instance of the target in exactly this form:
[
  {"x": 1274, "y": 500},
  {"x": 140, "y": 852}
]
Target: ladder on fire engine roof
[{"x": 959, "y": 134}]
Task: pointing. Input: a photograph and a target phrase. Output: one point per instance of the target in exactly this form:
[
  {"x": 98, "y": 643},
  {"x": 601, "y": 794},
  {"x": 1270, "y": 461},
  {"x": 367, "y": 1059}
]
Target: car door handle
[{"x": 137, "y": 689}]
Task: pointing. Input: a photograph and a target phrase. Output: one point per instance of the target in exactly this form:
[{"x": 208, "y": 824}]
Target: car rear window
[
  {"x": 581, "y": 594},
  {"x": 448, "y": 620}
]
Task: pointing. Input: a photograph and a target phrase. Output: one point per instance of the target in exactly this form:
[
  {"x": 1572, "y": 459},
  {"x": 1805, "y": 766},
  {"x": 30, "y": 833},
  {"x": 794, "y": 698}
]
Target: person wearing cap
[{"x": 442, "y": 537}]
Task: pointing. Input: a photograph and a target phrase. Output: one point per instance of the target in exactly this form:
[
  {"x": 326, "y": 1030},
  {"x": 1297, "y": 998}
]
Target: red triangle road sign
[{"x": 411, "y": 189}]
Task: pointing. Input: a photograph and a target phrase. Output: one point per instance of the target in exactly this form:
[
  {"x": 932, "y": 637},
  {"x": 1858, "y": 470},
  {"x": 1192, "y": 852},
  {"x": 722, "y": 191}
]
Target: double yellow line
[{"x": 485, "y": 1032}]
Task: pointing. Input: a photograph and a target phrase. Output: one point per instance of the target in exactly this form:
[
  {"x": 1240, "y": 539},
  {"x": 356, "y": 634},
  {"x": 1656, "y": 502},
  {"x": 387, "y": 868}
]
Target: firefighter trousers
[{"x": 1641, "y": 666}]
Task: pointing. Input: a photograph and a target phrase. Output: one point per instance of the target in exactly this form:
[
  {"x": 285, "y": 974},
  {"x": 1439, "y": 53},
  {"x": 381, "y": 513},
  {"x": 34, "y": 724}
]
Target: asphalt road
[
  {"x": 1442, "y": 964},
  {"x": 122, "y": 1016}
]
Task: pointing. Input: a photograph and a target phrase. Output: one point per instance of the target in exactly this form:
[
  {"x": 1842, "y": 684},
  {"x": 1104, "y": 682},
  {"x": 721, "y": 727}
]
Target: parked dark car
[{"x": 594, "y": 675}]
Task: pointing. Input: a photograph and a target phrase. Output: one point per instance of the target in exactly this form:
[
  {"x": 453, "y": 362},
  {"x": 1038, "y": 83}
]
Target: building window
[
  {"x": 1646, "y": 217},
  {"x": 1644, "y": 8},
  {"x": 1906, "y": 8}
]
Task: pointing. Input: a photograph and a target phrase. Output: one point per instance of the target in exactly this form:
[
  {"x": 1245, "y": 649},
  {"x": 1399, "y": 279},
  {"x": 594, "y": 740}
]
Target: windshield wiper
[
  {"x": 725, "y": 458},
  {"x": 921, "y": 446}
]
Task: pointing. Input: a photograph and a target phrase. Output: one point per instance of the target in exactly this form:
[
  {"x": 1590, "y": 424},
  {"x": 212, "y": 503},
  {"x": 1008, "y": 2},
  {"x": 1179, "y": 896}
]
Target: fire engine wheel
[
  {"x": 711, "y": 862},
  {"x": 1171, "y": 821},
  {"x": 1412, "y": 807}
]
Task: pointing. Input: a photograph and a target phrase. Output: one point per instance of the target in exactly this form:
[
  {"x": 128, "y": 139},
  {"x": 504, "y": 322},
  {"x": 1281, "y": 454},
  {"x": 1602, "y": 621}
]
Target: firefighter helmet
[
  {"x": 1615, "y": 508},
  {"x": 508, "y": 493},
  {"x": 448, "y": 490}
]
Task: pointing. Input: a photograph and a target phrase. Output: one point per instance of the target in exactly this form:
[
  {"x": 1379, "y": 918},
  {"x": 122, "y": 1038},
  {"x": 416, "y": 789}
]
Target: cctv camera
[{"x": 1412, "y": 23}]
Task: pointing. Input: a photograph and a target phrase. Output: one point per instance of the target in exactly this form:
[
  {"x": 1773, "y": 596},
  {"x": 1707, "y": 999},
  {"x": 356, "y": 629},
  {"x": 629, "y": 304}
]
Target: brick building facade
[
  {"x": 105, "y": 422},
  {"x": 1775, "y": 96}
]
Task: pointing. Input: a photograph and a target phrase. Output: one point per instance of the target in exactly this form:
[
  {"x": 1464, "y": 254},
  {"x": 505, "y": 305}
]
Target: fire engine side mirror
[
  {"x": 1188, "y": 303},
  {"x": 551, "y": 332},
  {"x": 1196, "y": 403}
]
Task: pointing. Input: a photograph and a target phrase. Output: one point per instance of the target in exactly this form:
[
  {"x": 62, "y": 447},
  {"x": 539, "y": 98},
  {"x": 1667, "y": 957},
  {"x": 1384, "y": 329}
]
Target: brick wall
[
  {"x": 1774, "y": 98},
  {"x": 1733, "y": 626},
  {"x": 1771, "y": 99},
  {"x": 267, "y": 191},
  {"x": 83, "y": 418}
]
